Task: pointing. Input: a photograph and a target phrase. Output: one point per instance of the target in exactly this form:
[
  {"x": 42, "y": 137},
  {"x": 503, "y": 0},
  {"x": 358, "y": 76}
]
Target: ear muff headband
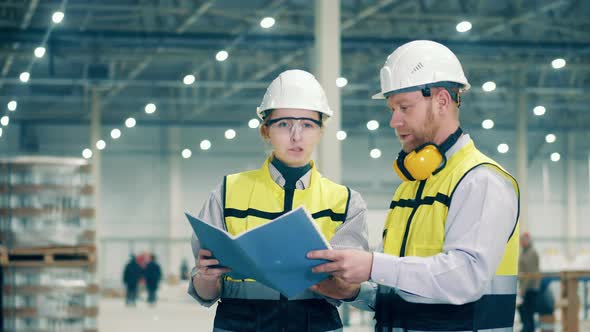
[{"x": 425, "y": 160}]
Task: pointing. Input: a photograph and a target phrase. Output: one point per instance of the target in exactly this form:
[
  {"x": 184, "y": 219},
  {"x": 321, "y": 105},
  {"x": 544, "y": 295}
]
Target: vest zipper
[{"x": 417, "y": 199}]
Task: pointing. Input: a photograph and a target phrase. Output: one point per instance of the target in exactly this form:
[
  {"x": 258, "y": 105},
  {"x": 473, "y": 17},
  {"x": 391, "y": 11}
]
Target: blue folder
[{"x": 273, "y": 254}]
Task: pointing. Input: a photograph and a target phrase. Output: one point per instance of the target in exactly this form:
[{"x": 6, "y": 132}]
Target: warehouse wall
[{"x": 137, "y": 194}]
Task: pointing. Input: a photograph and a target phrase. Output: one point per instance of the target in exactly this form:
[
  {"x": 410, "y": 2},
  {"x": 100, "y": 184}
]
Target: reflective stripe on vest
[
  {"x": 253, "y": 198},
  {"x": 416, "y": 227}
]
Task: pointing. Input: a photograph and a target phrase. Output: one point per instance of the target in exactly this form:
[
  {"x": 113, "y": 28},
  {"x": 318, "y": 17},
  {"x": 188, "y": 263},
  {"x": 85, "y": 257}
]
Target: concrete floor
[{"x": 177, "y": 312}]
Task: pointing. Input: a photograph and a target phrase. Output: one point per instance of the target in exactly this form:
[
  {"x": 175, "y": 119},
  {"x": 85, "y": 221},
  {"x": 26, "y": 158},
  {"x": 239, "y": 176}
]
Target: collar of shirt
[
  {"x": 277, "y": 177},
  {"x": 461, "y": 142}
]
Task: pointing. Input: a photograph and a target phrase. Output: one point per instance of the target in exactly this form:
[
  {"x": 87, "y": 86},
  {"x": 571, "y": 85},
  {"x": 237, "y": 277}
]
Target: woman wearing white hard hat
[
  {"x": 450, "y": 243},
  {"x": 294, "y": 111}
]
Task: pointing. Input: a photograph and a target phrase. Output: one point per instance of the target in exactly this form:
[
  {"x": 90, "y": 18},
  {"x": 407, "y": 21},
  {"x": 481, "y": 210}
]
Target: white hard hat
[
  {"x": 296, "y": 89},
  {"x": 419, "y": 63}
]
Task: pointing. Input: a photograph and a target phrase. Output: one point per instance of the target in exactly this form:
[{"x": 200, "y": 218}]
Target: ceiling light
[
  {"x": 464, "y": 26},
  {"x": 341, "y": 135},
  {"x": 375, "y": 153},
  {"x": 186, "y": 153},
  {"x": 57, "y": 17},
  {"x": 550, "y": 138},
  {"x": 267, "y": 22},
  {"x": 12, "y": 105},
  {"x": 150, "y": 108},
  {"x": 489, "y": 86},
  {"x": 230, "y": 134},
  {"x": 539, "y": 110},
  {"x": 87, "y": 153},
  {"x": 503, "y": 148},
  {"x": 130, "y": 123},
  {"x": 115, "y": 133},
  {"x": 24, "y": 76},
  {"x": 487, "y": 124},
  {"x": 205, "y": 144},
  {"x": 341, "y": 82},
  {"x": 558, "y": 63},
  {"x": 373, "y": 125},
  {"x": 39, "y": 52},
  {"x": 188, "y": 79},
  {"x": 221, "y": 56},
  {"x": 101, "y": 144},
  {"x": 555, "y": 156},
  {"x": 5, "y": 120},
  {"x": 253, "y": 123}
]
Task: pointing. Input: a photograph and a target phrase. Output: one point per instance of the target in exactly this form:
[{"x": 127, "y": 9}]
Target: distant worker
[
  {"x": 132, "y": 273},
  {"x": 529, "y": 288}
]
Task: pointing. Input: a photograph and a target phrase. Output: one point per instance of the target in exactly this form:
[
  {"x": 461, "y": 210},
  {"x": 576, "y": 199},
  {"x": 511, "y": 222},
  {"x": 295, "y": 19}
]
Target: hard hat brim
[{"x": 378, "y": 96}]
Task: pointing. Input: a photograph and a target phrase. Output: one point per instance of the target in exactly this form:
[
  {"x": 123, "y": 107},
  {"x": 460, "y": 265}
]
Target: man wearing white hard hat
[
  {"x": 450, "y": 243},
  {"x": 294, "y": 112}
]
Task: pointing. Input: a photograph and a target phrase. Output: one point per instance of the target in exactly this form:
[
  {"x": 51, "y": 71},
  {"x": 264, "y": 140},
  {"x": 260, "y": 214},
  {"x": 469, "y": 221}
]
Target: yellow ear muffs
[
  {"x": 418, "y": 164},
  {"x": 425, "y": 160}
]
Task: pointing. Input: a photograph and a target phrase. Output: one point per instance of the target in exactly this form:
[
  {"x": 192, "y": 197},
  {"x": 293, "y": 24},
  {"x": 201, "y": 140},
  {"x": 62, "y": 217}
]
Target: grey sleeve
[
  {"x": 366, "y": 298},
  {"x": 353, "y": 233},
  {"x": 211, "y": 212}
]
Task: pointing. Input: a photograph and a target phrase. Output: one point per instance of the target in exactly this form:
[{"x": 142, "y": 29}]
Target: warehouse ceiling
[{"x": 133, "y": 52}]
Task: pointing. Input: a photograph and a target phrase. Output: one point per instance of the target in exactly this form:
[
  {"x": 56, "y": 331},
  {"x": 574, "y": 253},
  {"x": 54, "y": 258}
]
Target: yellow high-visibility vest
[
  {"x": 253, "y": 198},
  {"x": 415, "y": 226}
]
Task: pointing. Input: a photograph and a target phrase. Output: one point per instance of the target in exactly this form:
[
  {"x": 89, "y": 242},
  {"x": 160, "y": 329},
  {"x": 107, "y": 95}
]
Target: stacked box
[
  {"x": 48, "y": 256},
  {"x": 45, "y": 202}
]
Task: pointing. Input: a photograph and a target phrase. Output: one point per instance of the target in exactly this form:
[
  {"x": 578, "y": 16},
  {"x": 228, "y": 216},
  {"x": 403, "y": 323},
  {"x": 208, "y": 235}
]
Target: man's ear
[{"x": 443, "y": 100}]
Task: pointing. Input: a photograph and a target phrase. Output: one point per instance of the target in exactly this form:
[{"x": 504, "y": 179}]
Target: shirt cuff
[
  {"x": 193, "y": 293},
  {"x": 385, "y": 270},
  {"x": 365, "y": 299}
]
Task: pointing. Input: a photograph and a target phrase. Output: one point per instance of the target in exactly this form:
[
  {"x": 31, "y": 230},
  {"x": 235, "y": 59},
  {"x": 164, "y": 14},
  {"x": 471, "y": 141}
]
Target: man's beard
[{"x": 426, "y": 134}]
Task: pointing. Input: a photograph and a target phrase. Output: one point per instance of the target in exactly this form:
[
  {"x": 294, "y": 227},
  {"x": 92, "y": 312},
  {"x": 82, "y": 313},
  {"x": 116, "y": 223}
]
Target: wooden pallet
[
  {"x": 49, "y": 257},
  {"x": 71, "y": 311},
  {"x": 6, "y": 189},
  {"x": 41, "y": 330},
  {"x": 35, "y": 212},
  {"x": 38, "y": 289}
]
